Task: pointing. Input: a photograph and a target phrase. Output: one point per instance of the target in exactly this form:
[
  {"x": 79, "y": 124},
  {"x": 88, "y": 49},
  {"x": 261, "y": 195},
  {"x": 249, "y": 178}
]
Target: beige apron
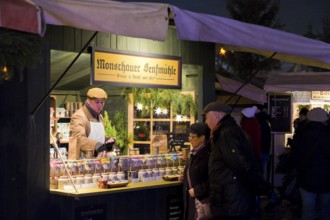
[{"x": 97, "y": 132}]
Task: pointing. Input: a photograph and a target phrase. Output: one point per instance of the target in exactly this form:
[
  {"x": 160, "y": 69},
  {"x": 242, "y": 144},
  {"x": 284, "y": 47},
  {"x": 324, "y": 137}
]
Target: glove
[
  {"x": 109, "y": 145},
  {"x": 101, "y": 148}
]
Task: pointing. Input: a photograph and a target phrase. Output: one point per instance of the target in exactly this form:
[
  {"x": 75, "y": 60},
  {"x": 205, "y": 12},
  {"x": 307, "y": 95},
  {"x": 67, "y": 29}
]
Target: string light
[
  {"x": 222, "y": 51},
  {"x": 139, "y": 106},
  {"x": 158, "y": 111},
  {"x": 4, "y": 72},
  {"x": 165, "y": 111},
  {"x": 179, "y": 117}
]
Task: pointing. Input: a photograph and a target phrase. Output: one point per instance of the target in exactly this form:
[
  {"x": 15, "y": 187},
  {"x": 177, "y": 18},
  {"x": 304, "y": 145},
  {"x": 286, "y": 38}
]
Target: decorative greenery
[
  {"x": 110, "y": 131},
  {"x": 182, "y": 104},
  {"x": 18, "y": 50},
  {"x": 303, "y": 106},
  {"x": 118, "y": 130},
  {"x": 326, "y": 107},
  {"x": 123, "y": 139}
]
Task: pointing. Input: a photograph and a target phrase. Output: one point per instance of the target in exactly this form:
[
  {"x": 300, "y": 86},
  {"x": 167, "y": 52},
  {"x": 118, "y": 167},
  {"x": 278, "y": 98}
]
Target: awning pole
[
  {"x": 64, "y": 73},
  {"x": 249, "y": 79}
]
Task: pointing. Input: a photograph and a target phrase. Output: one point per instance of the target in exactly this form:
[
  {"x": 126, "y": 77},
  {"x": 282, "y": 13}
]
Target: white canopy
[
  {"x": 141, "y": 20},
  {"x": 248, "y": 91},
  {"x": 302, "y": 81},
  {"x": 150, "y": 20},
  {"x": 239, "y": 36}
]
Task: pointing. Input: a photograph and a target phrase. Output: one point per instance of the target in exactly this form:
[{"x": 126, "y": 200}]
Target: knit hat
[
  {"x": 317, "y": 114},
  {"x": 216, "y": 106},
  {"x": 249, "y": 112},
  {"x": 97, "y": 93}
]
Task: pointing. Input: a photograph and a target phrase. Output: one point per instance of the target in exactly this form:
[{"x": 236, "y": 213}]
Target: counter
[
  {"x": 143, "y": 200},
  {"x": 128, "y": 188}
]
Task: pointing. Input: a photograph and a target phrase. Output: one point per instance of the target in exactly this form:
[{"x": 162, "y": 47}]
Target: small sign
[
  {"x": 174, "y": 208},
  {"x": 95, "y": 212},
  {"x": 135, "y": 69},
  {"x": 280, "y": 111},
  {"x": 320, "y": 95}
]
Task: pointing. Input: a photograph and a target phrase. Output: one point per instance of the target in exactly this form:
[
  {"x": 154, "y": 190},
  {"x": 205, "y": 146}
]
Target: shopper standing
[
  {"x": 265, "y": 138},
  {"x": 251, "y": 126},
  {"x": 311, "y": 160},
  {"x": 230, "y": 161},
  {"x": 195, "y": 177}
]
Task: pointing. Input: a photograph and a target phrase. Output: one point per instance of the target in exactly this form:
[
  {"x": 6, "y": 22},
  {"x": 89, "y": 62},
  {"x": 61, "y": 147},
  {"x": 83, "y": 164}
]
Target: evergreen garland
[
  {"x": 182, "y": 104},
  {"x": 18, "y": 50},
  {"x": 123, "y": 139},
  {"x": 110, "y": 131}
]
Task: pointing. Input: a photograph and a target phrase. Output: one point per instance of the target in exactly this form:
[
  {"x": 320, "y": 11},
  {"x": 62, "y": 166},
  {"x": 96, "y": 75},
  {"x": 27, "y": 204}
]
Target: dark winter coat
[
  {"x": 266, "y": 135},
  {"x": 198, "y": 172},
  {"x": 311, "y": 157},
  {"x": 231, "y": 153},
  {"x": 252, "y": 128}
]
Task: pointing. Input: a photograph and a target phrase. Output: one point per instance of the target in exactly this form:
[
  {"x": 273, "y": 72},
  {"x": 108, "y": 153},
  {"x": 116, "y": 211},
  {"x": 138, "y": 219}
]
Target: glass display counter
[{"x": 149, "y": 189}]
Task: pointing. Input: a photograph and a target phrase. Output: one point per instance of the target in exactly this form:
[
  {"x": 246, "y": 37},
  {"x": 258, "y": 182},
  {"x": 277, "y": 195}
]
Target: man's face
[
  {"x": 96, "y": 104},
  {"x": 212, "y": 119}
]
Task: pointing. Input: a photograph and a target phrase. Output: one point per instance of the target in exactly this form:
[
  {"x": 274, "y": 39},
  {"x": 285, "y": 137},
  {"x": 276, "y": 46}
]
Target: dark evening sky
[{"x": 294, "y": 14}]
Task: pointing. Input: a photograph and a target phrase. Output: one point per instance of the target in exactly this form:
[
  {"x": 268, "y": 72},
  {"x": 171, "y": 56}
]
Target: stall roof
[
  {"x": 21, "y": 16},
  {"x": 141, "y": 20},
  {"x": 248, "y": 91},
  {"x": 239, "y": 36},
  {"x": 299, "y": 81},
  {"x": 150, "y": 21}
]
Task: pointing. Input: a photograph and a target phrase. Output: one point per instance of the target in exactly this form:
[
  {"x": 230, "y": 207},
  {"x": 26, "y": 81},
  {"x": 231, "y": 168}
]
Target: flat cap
[
  {"x": 218, "y": 107},
  {"x": 97, "y": 93}
]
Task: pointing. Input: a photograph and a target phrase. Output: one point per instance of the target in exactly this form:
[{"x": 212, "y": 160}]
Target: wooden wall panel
[
  {"x": 68, "y": 39},
  {"x": 103, "y": 40},
  {"x": 77, "y": 40}
]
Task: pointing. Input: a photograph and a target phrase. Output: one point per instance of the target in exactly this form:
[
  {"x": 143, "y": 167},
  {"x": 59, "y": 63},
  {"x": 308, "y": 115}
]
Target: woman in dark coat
[{"x": 197, "y": 169}]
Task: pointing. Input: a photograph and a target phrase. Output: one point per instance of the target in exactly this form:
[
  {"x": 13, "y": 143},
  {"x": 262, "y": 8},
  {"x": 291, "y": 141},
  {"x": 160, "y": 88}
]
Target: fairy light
[
  {"x": 165, "y": 111},
  {"x": 4, "y": 70},
  {"x": 139, "y": 106},
  {"x": 222, "y": 51},
  {"x": 158, "y": 111}
]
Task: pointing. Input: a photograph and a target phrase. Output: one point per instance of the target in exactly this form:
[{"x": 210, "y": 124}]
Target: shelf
[
  {"x": 63, "y": 119},
  {"x": 153, "y": 126}
]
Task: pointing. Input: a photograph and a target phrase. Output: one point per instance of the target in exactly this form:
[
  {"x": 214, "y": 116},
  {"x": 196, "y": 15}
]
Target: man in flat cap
[
  {"x": 230, "y": 162},
  {"x": 87, "y": 132}
]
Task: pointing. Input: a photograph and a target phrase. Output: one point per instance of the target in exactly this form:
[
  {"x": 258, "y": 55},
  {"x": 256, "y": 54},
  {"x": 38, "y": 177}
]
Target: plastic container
[{"x": 62, "y": 181}]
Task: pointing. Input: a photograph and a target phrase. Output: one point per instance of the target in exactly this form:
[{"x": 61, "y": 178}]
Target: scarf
[
  {"x": 195, "y": 150},
  {"x": 94, "y": 113}
]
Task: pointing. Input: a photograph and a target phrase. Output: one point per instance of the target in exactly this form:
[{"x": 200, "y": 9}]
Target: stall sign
[
  {"x": 131, "y": 69},
  {"x": 280, "y": 112},
  {"x": 320, "y": 95}
]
